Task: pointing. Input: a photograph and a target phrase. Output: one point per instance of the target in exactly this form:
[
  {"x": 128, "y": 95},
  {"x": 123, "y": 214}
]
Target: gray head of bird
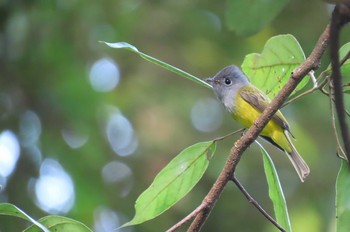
[{"x": 227, "y": 82}]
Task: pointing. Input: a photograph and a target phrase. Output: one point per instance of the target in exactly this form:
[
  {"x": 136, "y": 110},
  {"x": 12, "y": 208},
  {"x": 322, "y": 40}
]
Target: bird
[{"x": 245, "y": 102}]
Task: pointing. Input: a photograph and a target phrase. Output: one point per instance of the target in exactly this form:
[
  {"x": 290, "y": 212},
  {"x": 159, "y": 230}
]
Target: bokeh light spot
[
  {"x": 34, "y": 154},
  {"x": 115, "y": 171},
  {"x": 207, "y": 115},
  {"x": 9, "y": 152},
  {"x": 73, "y": 138},
  {"x": 29, "y": 128},
  {"x": 104, "y": 75},
  {"x": 105, "y": 220},
  {"x": 54, "y": 189},
  {"x": 120, "y": 134},
  {"x": 119, "y": 174}
]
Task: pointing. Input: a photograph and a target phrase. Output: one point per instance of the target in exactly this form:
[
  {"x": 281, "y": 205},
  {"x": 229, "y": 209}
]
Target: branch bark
[
  {"x": 311, "y": 63},
  {"x": 340, "y": 16}
]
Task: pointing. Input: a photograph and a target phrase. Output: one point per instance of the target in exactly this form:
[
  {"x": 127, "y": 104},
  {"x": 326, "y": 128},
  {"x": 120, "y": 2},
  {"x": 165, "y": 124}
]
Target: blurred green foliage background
[{"x": 85, "y": 128}]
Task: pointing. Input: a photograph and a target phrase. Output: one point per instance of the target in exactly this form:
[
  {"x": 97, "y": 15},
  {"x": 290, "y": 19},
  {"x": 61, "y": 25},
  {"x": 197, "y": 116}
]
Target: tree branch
[
  {"x": 340, "y": 16},
  {"x": 256, "y": 204},
  {"x": 311, "y": 63}
]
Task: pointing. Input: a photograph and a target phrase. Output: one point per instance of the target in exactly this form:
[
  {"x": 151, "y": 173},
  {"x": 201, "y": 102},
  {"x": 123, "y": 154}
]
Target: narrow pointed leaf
[
  {"x": 343, "y": 197},
  {"x": 276, "y": 192},
  {"x": 12, "y": 210},
  {"x": 173, "y": 182},
  {"x": 158, "y": 62},
  {"x": 271, "y": 69},
  {"x": 59, "y": 224}
]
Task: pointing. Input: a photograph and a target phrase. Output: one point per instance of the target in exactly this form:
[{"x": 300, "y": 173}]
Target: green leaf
[
  {"x": 276, "y": 192},
  {"x": 12, "y": 210},
  {"x": 270, "y": 70},
  {"x": 173, "y": 182},
  {"x": 60, "y": 224},
  {"x": 345, "y": 68},
  {"x": 158, "y": 62},
  {"x": 343, "y": 197},
  {"x": 247, "y": 17}
]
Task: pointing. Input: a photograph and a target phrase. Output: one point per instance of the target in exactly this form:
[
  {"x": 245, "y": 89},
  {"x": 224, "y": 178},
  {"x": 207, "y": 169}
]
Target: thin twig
[
  {"x": 347, "y": 112},
  {"x": 321, "y": 84},
  {"x": 311, "y": 63},
  {"x": 229, "y": 134},
  {"x": 256, "y": 204},
  {"x": 313, "y": 89},
  {"x": 340, "y": 148},
  {"x": 340, "y": 16},
  {"x": 323, "y": 89},
  {"x": 187, "y": 218}
]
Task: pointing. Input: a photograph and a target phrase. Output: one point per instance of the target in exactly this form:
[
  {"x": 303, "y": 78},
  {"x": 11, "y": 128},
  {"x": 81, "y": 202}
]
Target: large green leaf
[
  {"x": 59, "y": 224},
  {"x": 158, "y": 62},
  {"x": 12, "y": 210},
  {"x": 343, "y": 198},
  {"x": 271, "y": 69},
  {"x": 247, "y": 17},
  {"x": 173, "y": 182},
  {"x": 276, "y": 192}
]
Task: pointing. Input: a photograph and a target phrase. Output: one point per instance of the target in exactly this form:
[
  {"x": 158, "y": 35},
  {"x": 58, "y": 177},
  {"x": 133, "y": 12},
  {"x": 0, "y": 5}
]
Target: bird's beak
[{"x": 209, "y": 80}]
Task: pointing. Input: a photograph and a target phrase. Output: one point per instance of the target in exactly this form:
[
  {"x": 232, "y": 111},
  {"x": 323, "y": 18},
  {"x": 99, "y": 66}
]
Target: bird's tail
[{"x": 299, "y": 164}]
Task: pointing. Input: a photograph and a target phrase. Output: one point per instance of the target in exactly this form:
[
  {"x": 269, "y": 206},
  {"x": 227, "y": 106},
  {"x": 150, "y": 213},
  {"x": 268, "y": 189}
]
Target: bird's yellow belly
[{"x": 245, "y": 114}]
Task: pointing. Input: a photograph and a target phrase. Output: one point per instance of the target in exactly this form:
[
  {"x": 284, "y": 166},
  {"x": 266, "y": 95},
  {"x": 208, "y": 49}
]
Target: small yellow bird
[{"x": 246, "y": 102}]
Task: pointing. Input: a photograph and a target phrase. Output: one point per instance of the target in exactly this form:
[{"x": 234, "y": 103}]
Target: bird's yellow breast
[{"x": 246, "y": 114}]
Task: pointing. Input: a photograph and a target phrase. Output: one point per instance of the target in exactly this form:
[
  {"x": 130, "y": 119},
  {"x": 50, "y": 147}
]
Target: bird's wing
[{"x": 260, "y": 101}]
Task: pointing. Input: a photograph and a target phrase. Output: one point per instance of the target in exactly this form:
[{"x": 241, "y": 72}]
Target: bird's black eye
[{"x": 228, "y": 81}]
